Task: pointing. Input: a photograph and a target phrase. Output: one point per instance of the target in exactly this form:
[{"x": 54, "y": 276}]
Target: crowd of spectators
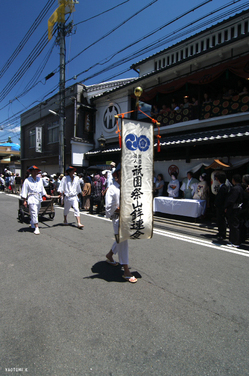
[
  {"x": 174, "y": 106},
  {"x": 230, "y": 201},
  {"x": 93, "y": 186},
  {"x": 232, "y": 208},
  {"x": 191, "y": 101},
  {"x": 10, "y": 182}
]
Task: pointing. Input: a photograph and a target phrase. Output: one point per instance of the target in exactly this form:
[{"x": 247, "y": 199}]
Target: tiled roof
[
  {"x": 97, "y": 151},
  {"x": 204, "y": 136},
  {"x": 195, "y": 137}
]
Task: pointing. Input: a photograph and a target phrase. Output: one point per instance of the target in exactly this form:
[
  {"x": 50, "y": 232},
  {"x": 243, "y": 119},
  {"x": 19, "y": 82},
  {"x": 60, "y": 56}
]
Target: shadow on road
[
  {"x": 70, "y": 224},
  {"x": 109, "y": 273},
  {"x": 26, "y": 229}
]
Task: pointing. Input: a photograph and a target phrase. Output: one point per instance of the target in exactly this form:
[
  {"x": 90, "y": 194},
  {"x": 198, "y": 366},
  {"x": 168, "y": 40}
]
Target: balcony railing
[{"x": 219, "y": 107}]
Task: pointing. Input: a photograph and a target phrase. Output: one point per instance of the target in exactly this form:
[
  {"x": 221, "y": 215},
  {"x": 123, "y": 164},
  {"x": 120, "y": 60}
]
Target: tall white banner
[{"x": 136, "y": 191}]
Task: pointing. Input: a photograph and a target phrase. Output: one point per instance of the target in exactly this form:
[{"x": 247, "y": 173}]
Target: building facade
[
  {"x": 200, "y": 86},
  {"x": 40, "y": 129}
]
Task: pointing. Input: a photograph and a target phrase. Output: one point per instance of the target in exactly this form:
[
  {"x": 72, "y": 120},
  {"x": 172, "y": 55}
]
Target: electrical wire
[
  {"x": 42, "y": 43},
  {"x": 112, "y": 30},
  {"x": 16, "y": 116},
  {"x": 100, "y": 14},
  {"x": 174, "y": 34},
  {"x": 147, "y": 35},
  {"x": 29, "y": 60},
  {"x": 191, "y": 10},
  {"x": 25, "y": 39},
  {"x": 158, "y": 29},
  {"x": 33, "y": 81},
  {"x": 165, "y": 39}
]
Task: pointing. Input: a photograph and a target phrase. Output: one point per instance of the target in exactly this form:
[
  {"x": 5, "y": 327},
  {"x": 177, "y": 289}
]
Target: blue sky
[{"x": 100, "y": 35}]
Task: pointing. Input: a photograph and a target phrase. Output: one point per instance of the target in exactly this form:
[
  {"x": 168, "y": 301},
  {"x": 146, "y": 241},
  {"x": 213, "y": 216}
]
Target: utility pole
[
  {"x": 65, "y": 7},
  {"x": 61, "y": 35}
]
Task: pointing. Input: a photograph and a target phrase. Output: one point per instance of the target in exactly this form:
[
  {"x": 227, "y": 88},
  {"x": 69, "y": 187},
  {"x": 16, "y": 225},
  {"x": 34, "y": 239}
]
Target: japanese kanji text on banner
[{"x": 136, "y": 200}]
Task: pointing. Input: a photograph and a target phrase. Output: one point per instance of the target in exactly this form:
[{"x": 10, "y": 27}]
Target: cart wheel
[
  {"x": 21, "y": 215},
  {"x": 51, "y": 215}
]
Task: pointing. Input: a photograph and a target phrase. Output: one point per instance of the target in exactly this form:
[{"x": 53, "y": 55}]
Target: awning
[
  {"x": 100, "y": 167},
  {"x": 217, "y": 164}
]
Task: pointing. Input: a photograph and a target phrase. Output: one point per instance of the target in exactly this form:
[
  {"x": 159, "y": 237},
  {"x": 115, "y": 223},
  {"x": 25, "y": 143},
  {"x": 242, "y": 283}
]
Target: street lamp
[
  {"x": 53, "y": 112},
  {"x": 101, "y": 140}
]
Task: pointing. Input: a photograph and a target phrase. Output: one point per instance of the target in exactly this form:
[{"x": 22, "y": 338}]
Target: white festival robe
[
  {"x": 33, "y": 190},
  {"x": 112, "y": 202},
  {"x": 70, "y": 188}
]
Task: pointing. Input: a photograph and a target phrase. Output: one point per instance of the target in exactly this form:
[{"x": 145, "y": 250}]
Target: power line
[
  {"x": 112, "y": 31},
  {"x": 147, "y": 35},
  {"x": 22, "y": 70},
  {"x": 159, "y": 29},
  {"x": 173, "y": 36},
  {"x": 16, "y": 116},
  {"x": 100, "y": 14},
  {"x": 27, "y": 64},
  {"x": 144, "y": 37},
  {"x": 31, "y": 30},
  {"x": 42, "y": 43},
  {"x": 33, "y": 81},
  {"x": 163, "y": 40}
]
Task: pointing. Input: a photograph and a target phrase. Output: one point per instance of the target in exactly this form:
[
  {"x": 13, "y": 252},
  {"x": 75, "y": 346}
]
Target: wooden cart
[{"x": 47, "y": 208}]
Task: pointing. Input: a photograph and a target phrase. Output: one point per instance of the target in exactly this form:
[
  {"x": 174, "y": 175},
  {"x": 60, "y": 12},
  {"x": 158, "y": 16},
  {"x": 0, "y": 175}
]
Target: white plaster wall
[
  {"x": 121, "y": 105},
  {"x": 78, "y": 153}
]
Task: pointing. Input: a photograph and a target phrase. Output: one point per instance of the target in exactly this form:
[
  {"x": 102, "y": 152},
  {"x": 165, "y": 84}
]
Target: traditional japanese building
[
  {"x": 201, "y": 87},
  {"x": 40, "y": 128}
]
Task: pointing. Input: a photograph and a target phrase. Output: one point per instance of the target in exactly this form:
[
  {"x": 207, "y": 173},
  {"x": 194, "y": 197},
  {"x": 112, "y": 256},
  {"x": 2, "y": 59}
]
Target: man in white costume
[
  {"x": 110, "y": 174},
  {"x": 45, "y": 179},
  {"x": 70, "y": 189},
  {"x": 112, "y": 205},
  {"x": 32, "y": 192},
  {"x": 189, "y": 185}
]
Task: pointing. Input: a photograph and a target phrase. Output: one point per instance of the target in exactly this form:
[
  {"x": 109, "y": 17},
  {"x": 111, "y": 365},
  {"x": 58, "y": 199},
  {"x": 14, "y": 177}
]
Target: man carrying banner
[{"x": 112, "y": 205}]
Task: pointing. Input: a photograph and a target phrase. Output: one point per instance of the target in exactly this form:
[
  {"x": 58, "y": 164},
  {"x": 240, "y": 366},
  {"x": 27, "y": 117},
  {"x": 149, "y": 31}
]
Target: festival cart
[{"x": 47, "y": 208}]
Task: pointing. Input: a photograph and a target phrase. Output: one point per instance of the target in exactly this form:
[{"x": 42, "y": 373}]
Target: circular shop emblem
[
  {"x": 173, "y": 168},
  {"x": 133, "y": 142},
  {"x": 109, "y": 119}
]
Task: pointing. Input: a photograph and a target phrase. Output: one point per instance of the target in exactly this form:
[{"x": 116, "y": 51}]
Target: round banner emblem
[{"x": 133, "y": 142}]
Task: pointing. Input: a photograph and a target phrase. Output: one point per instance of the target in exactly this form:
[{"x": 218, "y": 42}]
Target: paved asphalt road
[{"x": 65, "y": 312}]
